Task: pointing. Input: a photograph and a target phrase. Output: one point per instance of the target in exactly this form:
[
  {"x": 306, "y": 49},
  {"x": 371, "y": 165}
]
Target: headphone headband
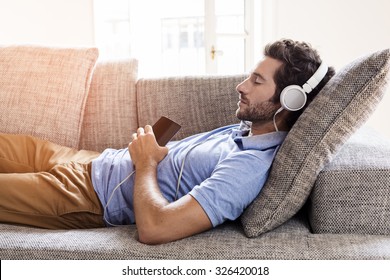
[{"x": 316, "y": 78}]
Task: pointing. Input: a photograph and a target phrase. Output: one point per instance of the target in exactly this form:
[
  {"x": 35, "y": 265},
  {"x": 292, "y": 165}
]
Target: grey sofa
[{"x": 327, "y": 197}]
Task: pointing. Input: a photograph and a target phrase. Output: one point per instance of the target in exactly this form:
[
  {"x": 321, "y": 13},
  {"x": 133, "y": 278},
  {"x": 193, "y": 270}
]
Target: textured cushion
[
  {"x": 197, "y": 103},
  {"x": 43, "y": 91},
  {"x": 110, "y": 114},
  {"x": 352, "y": 193},
  {"x": 291, "y": 241},
  {"x": 343, "y": 105}
]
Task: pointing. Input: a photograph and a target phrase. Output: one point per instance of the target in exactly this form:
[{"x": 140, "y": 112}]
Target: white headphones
[{"x": 293, "y": 97}]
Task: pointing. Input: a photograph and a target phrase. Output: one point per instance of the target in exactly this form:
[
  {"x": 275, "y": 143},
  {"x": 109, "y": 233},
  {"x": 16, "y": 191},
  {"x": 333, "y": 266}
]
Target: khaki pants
[{"x": 46, "y": 185}]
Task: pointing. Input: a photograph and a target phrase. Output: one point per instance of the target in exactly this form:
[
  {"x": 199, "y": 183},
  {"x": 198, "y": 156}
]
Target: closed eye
[{"x": 257, "y": 79}]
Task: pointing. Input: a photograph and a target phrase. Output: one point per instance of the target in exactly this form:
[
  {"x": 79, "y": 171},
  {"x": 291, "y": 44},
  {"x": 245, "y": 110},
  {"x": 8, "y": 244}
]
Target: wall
[
  {"x": 47, "y": 22},
  {"x": 340, "y": 30}
]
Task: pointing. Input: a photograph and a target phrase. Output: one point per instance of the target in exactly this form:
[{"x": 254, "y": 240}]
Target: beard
[{"x": 257, "y": 112}]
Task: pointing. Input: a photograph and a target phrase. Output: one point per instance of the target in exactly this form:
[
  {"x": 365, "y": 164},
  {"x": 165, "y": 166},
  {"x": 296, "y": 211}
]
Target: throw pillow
[
  {"x": 43, "y": 91},
  {"x": 343, "y": 105}
]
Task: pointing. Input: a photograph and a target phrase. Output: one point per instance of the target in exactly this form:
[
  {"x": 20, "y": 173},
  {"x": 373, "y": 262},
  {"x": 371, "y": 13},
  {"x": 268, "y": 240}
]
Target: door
[{"x": 227, "y": 36}]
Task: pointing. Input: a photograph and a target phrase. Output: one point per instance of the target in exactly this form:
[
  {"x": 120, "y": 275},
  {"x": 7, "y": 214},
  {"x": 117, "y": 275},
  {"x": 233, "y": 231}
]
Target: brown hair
[{"x": 300, "y": 62}]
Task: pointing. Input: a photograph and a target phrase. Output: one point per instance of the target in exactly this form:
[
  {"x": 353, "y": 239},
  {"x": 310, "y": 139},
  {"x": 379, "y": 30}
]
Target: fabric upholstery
[
  {"x": 342, "y": 106},
  {"x": 291, "y": 241},
  {"x": 352, "y": 193},
  {"x": 197, "y": 103},
  {"x": 43, "y": 91},
  {"x": 110, "y": 114}
]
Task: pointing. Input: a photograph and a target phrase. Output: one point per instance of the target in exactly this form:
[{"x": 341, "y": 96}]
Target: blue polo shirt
[{"x": 224, "y": 170}]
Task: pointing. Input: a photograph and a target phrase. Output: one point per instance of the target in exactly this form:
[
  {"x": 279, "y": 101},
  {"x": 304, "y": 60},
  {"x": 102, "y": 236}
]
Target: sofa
[{"x": 328, "y": 191}]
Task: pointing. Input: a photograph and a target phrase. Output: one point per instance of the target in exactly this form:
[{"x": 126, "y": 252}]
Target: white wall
[
  {"x": 47, "y": 22},
  {"x": 341, "y": 30}
]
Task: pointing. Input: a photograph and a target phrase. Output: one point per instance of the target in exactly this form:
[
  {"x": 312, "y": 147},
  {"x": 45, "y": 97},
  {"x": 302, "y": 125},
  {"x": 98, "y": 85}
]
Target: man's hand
[
  {"x": 157, "y": 220},
  {"x": 144, "y": 150}
]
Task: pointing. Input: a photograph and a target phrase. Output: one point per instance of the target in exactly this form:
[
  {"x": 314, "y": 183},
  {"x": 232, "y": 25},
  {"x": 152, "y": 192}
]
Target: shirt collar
[{"x": 258, "y": 142}]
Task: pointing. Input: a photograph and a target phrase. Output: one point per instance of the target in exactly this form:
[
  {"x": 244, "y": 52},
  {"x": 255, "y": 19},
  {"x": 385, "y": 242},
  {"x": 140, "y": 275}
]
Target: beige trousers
[{"x": 46, "y": 185}]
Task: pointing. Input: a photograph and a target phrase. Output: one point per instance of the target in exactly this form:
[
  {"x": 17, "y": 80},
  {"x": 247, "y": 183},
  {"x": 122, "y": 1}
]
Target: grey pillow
[{"x": 343, "y": 105}]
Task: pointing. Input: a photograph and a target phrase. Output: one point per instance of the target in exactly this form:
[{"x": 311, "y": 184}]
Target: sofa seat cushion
[
  {"x": 341, "y": 107},
  {"x": 43, "y": 91},
  {"x": 352, "y": 193},
  {"x": 291, "y": 241}
]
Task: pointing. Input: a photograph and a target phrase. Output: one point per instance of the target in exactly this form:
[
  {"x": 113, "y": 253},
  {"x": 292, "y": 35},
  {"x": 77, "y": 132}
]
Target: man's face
[{"x": 256, "y": 93}]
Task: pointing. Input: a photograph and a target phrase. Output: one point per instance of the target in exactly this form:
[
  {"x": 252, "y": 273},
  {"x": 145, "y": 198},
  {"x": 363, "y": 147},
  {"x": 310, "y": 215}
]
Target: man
[{"x": 169, "y": 192}]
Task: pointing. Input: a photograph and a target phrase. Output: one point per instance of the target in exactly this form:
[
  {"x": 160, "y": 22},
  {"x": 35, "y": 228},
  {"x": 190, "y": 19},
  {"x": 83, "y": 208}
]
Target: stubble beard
[{"x": 258, "y": 112}]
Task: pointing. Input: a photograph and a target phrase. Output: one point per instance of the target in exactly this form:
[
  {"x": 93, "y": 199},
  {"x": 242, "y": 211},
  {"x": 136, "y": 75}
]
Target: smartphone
[{"x": 164, "y": 129}]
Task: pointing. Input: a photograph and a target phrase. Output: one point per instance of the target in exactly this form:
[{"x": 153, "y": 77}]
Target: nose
[{"x": 241, "y": 87}]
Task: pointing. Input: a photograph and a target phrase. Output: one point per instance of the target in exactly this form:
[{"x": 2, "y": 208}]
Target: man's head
[{"x": 286, "y": 62}]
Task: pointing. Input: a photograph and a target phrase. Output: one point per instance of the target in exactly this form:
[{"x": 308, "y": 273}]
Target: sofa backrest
[
  {"x": 118, "y": 103},
  {"x": 110, "y": 114},
  {"x": 198, "y": 103}
]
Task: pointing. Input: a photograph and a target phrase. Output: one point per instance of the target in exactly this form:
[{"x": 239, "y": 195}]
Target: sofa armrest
[{"x": 352, "y": 193}]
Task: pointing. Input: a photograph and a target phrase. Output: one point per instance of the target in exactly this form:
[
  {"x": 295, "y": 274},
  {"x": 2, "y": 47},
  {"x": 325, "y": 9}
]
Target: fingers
[
  {"x": 148, "y": 129},
  {"x": 144, "y": 148},
  {"x": 142, "y": 131}
]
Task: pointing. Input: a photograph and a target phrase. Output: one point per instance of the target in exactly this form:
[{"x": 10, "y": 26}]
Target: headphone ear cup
[{"x": 293, "y": 98}]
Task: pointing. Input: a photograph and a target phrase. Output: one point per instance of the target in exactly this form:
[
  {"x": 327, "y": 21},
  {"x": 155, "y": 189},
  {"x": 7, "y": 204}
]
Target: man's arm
[{"x": 159, "y": 221}]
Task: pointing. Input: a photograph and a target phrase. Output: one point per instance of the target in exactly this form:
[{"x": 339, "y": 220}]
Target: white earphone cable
[
  {"x": 182, "y": 167},
  {"x": 274, "y": 118},
  {"x": 111, "y": 196}
]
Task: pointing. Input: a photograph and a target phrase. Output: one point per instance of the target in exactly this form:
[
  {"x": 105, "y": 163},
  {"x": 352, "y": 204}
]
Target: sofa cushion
[
  {"x": 110, "y": 114},
  {"x": 43, "y": 91},
  {"x": 197, "y": 103},
  {"x": 351, "y": 194},
  {"x": 343, "y": 105},
  {"x": 291, "y": 241}
]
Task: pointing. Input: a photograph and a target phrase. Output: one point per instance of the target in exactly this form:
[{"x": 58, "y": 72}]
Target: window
[
  {"x": 112, "y": 28},
  {"x": 177, "y": 37},
  {"x": 182, "y": 45}
]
